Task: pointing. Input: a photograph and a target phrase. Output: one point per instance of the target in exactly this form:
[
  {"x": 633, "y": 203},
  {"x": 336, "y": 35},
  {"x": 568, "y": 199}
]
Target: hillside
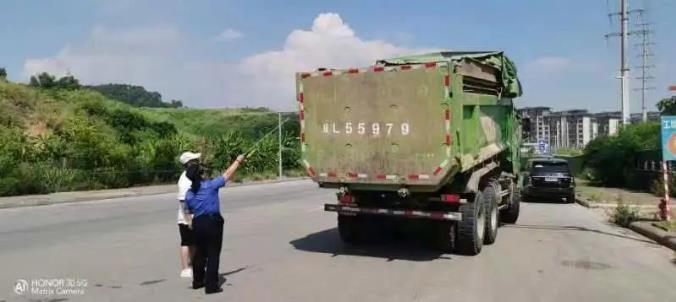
[{"x": 74, "y": 139}]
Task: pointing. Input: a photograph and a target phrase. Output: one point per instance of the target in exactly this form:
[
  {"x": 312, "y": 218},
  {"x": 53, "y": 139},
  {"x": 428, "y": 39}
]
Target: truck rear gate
[{"x": 378, "y": 125}]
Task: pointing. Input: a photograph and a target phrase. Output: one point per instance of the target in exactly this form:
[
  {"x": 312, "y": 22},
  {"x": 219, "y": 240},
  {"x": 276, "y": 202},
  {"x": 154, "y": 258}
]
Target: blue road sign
[{"x": 669, "y": 137}]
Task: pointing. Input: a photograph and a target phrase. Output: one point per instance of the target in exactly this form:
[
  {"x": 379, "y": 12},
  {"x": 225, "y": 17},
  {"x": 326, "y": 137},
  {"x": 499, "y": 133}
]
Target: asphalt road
[{"x": 280, "y": 246}]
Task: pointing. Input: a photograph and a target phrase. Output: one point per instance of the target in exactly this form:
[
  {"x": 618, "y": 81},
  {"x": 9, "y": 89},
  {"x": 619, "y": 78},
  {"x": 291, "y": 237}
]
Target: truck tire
[
  {"x": 348, "y": 228},
  {"x": 445, "y": 236},
  {"x": 470, "y": 234},
  {"x": 490, "y": 200},
  {"x": 510, "y": 214}
]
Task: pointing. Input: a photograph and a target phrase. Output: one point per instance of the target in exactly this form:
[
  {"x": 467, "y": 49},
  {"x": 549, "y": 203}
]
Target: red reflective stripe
[
  {"x": 353, "y": 71},
  {"x": 447, "y": 114},
  {"x": 408, "y": 213},
  {"x": 352, "y": 174},
  {"x": 406, "y": 67},
  {"x": 305, "y": 75},
  {"x": 301, "y": 114},
  {"x": 301, "y": 97},
  {"x": 413, "y": 176},
  {"x": 302, "y": 137},
  {"x": 437, "y": 170},
  {"x": 431, "y": 64},
  {"x": 327, "y": 73},
  {"x": 378, "y": 69},
  {"x": 447, "y": 80},
  {"x": 448, "y": 139},
  {"x": 380, "y": 176},
  {"x": 332, "y": 174}
]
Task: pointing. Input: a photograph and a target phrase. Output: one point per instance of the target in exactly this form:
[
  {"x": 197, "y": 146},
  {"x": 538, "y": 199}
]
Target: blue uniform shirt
[{"x": 205, "y": 201}]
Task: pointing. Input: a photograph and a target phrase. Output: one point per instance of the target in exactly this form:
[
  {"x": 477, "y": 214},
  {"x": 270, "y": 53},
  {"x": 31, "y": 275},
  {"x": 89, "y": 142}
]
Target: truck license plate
[{"x": 550, "y": 179}]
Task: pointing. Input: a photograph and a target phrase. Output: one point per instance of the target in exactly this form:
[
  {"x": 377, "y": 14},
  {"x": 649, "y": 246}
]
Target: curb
[
  {"x": 647, "y": 229},
  {"x": 594, "y": 205},
  {"x": 583, "y": 202},
  {"x": 55, "y": 198}
]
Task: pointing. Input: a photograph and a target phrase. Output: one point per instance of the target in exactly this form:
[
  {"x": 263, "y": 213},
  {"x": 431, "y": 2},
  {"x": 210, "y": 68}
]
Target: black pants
[{"x": 208, "y": 240}]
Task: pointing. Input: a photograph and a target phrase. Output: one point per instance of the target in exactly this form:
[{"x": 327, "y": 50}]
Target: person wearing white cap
[{"x": 184, "y": 217}]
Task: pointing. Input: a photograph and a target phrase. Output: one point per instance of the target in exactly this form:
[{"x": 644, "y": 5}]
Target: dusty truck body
[{"x": 433, "y": 138}]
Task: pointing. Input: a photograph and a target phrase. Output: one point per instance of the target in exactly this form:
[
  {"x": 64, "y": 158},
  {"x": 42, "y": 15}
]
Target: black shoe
[
  {"x": 213, "y": 290},
  {"x": 197, "y": 285}
]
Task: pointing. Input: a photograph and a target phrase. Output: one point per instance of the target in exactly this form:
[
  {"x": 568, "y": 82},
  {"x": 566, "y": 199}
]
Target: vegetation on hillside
[
  {"x": 59, "y": 138},
  {"x": 48, "y": 81},
  {"x": 135, "y": 95}
]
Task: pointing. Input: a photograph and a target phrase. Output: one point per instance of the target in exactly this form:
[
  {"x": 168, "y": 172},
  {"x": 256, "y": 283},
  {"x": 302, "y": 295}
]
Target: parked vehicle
[
  {"x": 549, "y": 178},
  {"x": 432, "y": 137}
]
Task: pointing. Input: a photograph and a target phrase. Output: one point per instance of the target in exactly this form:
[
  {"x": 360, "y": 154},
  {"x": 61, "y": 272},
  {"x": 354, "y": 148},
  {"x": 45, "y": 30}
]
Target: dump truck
[{"x": 430, "y": 139}]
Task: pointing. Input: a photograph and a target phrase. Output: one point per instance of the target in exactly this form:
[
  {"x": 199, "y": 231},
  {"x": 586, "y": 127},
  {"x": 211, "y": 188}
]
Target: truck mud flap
[{"x": 416, "y": 214}]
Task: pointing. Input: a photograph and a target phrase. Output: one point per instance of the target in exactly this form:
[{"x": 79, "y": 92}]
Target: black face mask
[{"x": 203, "y": 169}]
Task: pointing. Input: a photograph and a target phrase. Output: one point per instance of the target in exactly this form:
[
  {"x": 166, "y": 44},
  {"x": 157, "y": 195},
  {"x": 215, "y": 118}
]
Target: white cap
[{"x": 188, "y": 156}]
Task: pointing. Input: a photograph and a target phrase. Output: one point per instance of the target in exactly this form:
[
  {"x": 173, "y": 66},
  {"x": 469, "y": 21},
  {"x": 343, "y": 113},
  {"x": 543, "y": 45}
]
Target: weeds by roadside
[
  {"x": 669, "y": 226},
  {"x": 623, "y": 214}
]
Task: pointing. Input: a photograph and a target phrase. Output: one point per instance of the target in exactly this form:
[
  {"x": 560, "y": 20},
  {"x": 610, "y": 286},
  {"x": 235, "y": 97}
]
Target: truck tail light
[
  {"x": 450, "y": 198},
  {"x": 346, "y": 198}
]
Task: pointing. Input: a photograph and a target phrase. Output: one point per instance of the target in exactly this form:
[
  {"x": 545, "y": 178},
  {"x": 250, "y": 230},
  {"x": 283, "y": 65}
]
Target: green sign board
[{"x": 668, "y": 137}]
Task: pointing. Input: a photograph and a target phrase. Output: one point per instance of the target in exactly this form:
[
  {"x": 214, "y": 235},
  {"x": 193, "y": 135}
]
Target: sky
[{"x": 215, "y": 54}]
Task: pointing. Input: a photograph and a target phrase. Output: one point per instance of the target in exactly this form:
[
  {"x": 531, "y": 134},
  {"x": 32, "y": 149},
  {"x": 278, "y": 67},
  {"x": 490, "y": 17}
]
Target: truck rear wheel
[
  {"x": 470, "y": 234},
  {"x": 490, "y": 200},
  {"x": 510, "y": 214},
  {"x": 445, "y": 236},
  {"x": 348, "y": 228}
]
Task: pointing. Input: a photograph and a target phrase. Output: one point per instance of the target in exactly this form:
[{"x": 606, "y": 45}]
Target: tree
[
  {"x": 68, "y": 82},
  {"x": 43, "y": 80},
  {"x": 176, "y": 104},
  {"x": 3, "y": 74},
  {"x": 667, "y": 106},
  {"x": 48, "y": 81}
]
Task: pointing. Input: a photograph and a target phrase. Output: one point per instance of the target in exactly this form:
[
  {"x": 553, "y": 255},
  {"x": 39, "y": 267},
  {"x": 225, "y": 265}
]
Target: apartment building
[
  {"x": 608, "y": 122},
  {"x": 539, "y": 127},
  {"x": 567, "y": 129},
  {"x": 571, "y": 129}
]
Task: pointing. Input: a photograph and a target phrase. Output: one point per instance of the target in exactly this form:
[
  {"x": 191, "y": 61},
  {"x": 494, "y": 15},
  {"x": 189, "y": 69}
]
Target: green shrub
[
  {"x": 611, "y": 159},
  {"x": 624, "y": 215}
]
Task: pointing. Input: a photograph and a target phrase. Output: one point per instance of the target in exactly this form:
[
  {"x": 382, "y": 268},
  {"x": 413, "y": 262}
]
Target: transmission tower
[{"x": 645, "y": 54}]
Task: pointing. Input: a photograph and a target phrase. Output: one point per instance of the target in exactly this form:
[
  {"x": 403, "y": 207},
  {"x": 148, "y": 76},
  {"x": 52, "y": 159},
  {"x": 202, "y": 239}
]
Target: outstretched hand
[{"x": 241, "y": 157}]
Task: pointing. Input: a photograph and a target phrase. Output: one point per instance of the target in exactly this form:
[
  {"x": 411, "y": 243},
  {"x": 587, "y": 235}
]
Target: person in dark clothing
[{"x": 207, "y": 223}]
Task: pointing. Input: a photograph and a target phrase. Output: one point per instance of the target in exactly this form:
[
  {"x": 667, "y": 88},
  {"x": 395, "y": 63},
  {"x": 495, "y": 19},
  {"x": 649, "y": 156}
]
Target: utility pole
[
  {"x": 279, "y": 139},
  {"x": 624, "y": 69}
]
